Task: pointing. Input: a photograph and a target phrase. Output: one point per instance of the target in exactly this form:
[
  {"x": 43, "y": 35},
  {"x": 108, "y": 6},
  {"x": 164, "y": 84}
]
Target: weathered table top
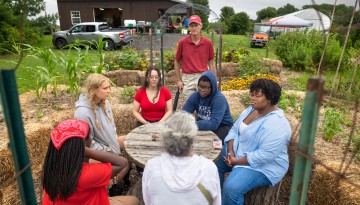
[{"x": 145, "y": 142}]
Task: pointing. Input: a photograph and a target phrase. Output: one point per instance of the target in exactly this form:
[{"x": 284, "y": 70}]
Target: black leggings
[{"x": 222, "y": 132}]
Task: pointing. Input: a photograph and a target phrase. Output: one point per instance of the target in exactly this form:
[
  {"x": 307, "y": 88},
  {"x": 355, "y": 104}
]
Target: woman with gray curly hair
[{"x": 178, "y": 176}]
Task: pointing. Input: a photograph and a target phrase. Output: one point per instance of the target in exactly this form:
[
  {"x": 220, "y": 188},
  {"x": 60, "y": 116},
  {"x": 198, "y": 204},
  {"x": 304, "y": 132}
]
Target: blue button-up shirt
[{"x": 264, "y": 142}]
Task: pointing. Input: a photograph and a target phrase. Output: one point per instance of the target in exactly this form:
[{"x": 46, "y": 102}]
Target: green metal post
[
  {"x": 13, "y": 119},
  {"x": 303, "y": 165},
  {"x": 162, "y": 57}
]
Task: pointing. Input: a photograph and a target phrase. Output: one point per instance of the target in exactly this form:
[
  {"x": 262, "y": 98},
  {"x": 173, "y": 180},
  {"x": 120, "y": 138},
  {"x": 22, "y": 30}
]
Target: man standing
[{"x": 196, "y": 55}]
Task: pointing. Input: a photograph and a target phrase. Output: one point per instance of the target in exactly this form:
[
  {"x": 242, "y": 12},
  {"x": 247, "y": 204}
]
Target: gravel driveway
[{"x": 142, "y": 41}]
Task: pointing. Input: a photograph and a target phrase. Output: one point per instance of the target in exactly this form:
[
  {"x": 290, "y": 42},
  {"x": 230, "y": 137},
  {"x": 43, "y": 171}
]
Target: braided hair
[{"x": 62, "y": 168}]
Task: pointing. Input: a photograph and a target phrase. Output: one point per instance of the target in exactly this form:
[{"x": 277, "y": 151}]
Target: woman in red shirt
[
  {"x": 152, "y": 102},
  {"x": 68, "y": 179}
]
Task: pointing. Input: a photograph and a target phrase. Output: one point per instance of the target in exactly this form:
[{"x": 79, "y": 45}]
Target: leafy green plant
[
  {"x": 127, "y": 94},
  {"x": 284, "y": 103},
  {"x": 75, "y": 67},
  {"x": 302, "y": 50},
  {"x": 235, "y": 55},
  {"x": 50, "y": 63},
  {"x": 128, "y": 59},
  {"x": 100, "y": 51},
  {"x": 252, "y": 65},
  {"x": 332, "y": 124},
  {"x": 169, "y": 58},
  {"x": 43, "y": 79}
]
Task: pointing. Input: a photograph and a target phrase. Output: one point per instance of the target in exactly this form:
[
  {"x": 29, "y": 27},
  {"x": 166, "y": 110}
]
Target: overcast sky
[{"x": 248, "y": 6}]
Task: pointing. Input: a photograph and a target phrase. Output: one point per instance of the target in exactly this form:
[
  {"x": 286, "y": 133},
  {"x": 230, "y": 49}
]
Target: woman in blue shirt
[{"x": 255, "y": 151}]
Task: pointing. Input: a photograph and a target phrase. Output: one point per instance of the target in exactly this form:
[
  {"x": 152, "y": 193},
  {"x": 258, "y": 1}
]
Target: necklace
[{"x": 152, "y": 93}]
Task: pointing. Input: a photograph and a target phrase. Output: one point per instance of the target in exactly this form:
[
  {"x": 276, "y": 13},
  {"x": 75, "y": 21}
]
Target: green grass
[
  {"x": 235, "y": 41},
  {"x": 25, "y": 79}
]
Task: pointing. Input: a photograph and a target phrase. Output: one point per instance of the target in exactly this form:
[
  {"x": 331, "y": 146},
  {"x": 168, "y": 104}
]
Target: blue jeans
[{"x": 239, "y": 182}]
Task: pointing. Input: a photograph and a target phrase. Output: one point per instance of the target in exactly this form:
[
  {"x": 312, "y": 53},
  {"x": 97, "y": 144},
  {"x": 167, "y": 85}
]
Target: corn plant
[
  {"x": 100, "y": 49},
  {"x": 41, "y": 74},
  {"x": 50, "y": 63},
  {"x": 75, "y": 66}
]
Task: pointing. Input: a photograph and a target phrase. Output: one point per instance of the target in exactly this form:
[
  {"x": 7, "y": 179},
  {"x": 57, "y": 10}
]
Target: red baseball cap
[
  {"x": 195, "y": 19},
  {"x": 69, "y": 129}
]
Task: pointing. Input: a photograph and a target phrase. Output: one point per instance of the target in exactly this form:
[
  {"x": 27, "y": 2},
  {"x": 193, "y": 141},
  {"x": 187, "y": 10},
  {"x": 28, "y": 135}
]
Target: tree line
[{"x": 240, "y": 23}]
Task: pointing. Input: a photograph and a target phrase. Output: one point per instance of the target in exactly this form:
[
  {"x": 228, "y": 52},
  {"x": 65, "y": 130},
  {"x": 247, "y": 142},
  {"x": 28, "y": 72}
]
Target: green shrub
[
  {"x": 169, "y": 58},
  {"x": 251, "y": 65},
  {"x": 235, "y": 55},
  {"x": 333, "y": 121},
  {"x": 302, "y": 50},
  {"x": 128, "y": 59},
  {"x": 127, "y": 94},
  {"x": 284, "y": 102}
]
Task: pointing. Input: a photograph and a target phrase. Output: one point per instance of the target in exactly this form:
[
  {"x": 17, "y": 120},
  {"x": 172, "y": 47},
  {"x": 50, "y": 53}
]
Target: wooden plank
[{"x": 145, "y": 142}]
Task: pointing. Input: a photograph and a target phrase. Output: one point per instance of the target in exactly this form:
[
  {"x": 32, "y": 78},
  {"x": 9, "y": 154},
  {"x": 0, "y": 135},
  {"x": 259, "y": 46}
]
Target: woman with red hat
[{"x": 67, "y": 177}]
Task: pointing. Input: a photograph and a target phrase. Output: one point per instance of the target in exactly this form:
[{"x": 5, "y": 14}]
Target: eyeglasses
[
  {"x": 205, "y": 88},
  {"x": 153, "y": 77}
]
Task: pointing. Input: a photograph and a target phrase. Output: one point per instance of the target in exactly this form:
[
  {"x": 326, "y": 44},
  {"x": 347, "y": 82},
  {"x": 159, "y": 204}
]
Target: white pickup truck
[{"x": 90, "y": 32}]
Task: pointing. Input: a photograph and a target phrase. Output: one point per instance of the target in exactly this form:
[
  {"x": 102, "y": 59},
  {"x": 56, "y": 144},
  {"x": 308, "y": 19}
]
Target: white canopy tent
[
  {"x": 289, "y": 21},
  {"x": 319, "y": 20}
]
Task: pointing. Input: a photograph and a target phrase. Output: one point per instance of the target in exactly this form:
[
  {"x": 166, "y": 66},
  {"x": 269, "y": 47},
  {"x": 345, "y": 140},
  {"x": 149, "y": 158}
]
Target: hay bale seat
[
  {"x": 37, "y": 143},
  {"x": 262, "y": 195},
  {"x": 37, "y": 137},
  {"x": 126, "y": 77}
]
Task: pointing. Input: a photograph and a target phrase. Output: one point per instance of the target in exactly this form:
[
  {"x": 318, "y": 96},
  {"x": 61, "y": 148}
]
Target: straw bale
[
  {"x": 11, "y": 194},
  {"x": 235, "y": 104},
  {"x": 325, "y": 188},
  {"x": 124, "y": 119},
  {"x": 125, "y": 77},
  {"x": 275, "y": 65},
  {"x": 229, "y": 70},
  {"x": 170, "y": 78},
  {"x": 37, "y": 139},
  {"x": 55, "y": 117}
]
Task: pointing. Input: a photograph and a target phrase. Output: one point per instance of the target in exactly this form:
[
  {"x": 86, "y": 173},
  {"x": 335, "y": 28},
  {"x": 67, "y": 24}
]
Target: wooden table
[{"x": 145, "y": 142}]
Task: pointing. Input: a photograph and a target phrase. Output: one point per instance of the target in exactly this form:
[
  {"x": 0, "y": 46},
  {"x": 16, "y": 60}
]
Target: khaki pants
[
  {"x": 124, "y": 200},
  {"x": 190, "y": 82}
]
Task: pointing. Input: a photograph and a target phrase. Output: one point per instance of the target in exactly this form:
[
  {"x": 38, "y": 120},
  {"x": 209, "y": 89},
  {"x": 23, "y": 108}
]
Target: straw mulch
[{"x": 327, "y": 188}]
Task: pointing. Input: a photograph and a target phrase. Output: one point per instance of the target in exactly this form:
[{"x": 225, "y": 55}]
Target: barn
[{"x": 113, "y": 12}]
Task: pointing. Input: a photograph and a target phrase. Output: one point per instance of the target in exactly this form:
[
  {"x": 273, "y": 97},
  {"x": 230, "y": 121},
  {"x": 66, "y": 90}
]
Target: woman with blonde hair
[{"x": 93, "y": 106}]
